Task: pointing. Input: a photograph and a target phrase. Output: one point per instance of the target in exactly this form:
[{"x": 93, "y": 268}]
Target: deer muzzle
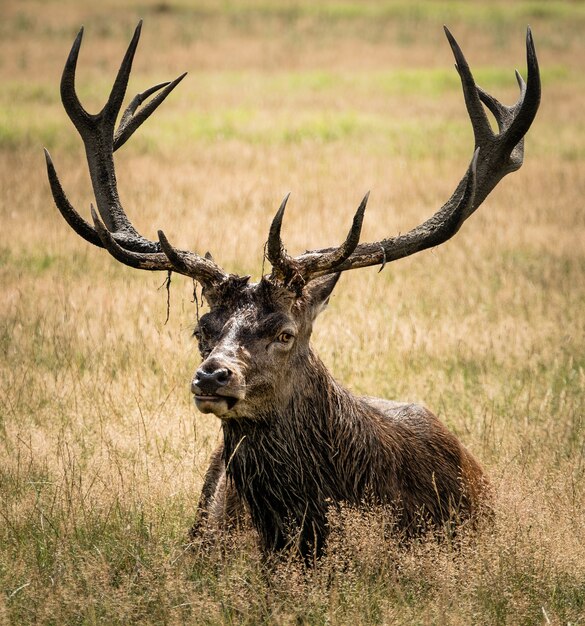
[{"x": 216, "y": 388}]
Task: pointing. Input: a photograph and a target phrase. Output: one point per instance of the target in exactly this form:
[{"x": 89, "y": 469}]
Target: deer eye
[{"x": 285, "y": 337}]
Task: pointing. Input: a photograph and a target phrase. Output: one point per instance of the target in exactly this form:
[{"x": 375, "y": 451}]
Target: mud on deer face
[{"x": 252, "y": 341}]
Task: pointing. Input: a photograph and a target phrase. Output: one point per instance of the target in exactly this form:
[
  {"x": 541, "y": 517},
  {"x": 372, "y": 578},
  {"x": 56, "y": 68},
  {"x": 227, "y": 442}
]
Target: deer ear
[{"x": 317, "y": 293}]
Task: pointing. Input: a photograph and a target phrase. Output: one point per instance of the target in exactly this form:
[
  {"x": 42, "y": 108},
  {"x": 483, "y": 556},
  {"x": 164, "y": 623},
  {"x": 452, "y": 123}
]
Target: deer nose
[{"x": 210, "y": 381}]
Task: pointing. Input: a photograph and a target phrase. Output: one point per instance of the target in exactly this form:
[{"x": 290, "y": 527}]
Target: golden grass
[{"x": 102, "y": 454}]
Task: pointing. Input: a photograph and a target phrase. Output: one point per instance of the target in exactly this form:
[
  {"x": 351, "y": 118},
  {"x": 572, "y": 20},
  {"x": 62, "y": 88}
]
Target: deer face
[{"x": 253, "y": 342}]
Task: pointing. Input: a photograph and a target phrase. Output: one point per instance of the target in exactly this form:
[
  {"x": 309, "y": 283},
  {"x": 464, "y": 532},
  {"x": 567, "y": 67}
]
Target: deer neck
[
  {"x": 314, "y": 403},
  {"x": 283, "y": 462},
  {"x": 301, "y": 446}
]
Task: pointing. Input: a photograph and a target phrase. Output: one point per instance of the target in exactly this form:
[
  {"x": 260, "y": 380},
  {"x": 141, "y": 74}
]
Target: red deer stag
[{"x": 295, "y": 441}]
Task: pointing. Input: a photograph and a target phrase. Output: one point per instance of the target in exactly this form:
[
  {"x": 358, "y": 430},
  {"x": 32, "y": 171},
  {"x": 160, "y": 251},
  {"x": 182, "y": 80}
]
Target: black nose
[{"x": 210, "y": 381}]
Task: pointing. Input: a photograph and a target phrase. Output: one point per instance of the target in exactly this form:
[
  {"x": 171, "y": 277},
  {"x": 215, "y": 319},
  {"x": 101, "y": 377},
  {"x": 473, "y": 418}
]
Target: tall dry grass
[{"x": 101, "y": 452}]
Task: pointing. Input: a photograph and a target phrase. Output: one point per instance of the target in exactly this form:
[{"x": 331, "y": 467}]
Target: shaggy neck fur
[{"x": 327, "y": 446}]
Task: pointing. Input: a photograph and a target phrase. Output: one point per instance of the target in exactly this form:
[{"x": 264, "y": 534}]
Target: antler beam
[
  {"x": 114, "y": 231},
  {"x": 495, "y": 156}
]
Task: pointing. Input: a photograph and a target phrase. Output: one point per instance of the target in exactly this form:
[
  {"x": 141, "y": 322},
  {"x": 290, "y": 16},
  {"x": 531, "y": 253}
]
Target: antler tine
[
  {"x": 114, "y": 103},
  {"x": 504, "y": 115},
  {"x": 203, "y": 269},
  {"x": 153, "y": 261},
  {"x": 77, "y": 114},
  {"x": 481, "y": 127},
  {"x": 328, "y": 262},
  {"x": 436, "y": 230},
  {"x": 529, "y": 101},
  {"x": 281, "y": 262},
  {"x": 131, "y": 120},
  {"x": 72, "y": 217},
  {"x": 171, "y": 259},
  {"x": 138, "y": 99}
]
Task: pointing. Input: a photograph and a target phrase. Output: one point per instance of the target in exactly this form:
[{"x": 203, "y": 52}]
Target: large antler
[
  {"x": 116, "y": 233},
  {"x": 495, "y": 156}
]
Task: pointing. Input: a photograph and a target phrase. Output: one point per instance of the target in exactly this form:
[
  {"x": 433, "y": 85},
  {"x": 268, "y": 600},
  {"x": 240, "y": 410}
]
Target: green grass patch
[
  {"x": 275, "y": 108},
  {"x": 491, "y": 13}
]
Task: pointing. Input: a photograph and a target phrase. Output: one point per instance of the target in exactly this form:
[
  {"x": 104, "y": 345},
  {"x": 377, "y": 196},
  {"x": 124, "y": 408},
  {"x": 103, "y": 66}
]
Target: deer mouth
[{"x": 214, "y": 403}]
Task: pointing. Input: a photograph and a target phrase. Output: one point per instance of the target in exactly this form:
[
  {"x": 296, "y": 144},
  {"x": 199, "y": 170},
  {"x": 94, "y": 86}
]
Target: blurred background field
[{"x": 102, "y": 453}]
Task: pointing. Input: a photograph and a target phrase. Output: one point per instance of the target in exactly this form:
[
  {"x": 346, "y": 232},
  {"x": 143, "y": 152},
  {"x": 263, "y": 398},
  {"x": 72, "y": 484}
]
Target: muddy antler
[
  {"x": 116, "y": 233},
  {"x": 495, "y": 156}
]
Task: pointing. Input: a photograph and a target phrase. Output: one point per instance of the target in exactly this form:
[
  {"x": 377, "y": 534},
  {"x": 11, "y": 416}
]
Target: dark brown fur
[{"x": 310, "y": 444}]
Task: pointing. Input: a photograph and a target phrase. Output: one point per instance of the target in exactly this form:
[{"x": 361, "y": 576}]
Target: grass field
[{"x": 102, "y": 453}]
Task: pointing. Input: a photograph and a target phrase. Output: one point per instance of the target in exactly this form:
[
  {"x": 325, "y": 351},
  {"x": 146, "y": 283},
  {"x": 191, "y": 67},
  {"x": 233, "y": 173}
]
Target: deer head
[
  {"x": 251, "y": 340},
  {"x": 256, "y": 334}
]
